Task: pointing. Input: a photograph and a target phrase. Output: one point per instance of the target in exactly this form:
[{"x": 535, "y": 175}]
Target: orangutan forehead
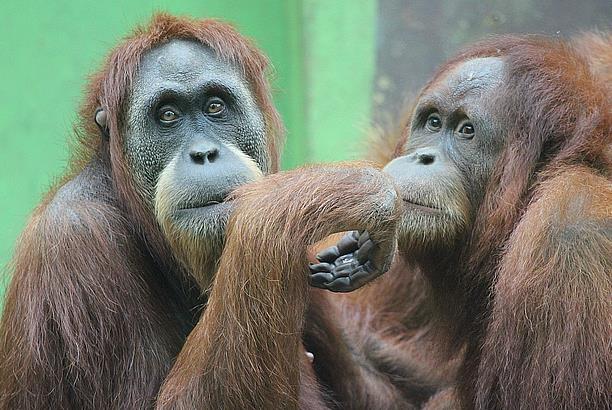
[
  {"x": 182, "y": 60},
  {"x": 187, "y": 68},
  {"x": 476, "y": 75}
]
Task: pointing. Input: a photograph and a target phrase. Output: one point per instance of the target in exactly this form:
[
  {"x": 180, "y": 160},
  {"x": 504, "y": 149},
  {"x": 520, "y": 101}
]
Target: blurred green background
[{"x": 338, "y": 65}]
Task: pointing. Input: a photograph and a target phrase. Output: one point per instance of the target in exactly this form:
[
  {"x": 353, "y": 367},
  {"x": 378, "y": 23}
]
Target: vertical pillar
[{"x": 339, "y": 64}]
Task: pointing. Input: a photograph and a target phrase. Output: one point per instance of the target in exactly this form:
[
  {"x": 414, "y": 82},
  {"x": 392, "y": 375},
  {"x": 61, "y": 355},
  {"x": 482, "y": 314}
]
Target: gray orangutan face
[
  {"x": 455, "y": 141},
  {"x": 194, "y": 132}
]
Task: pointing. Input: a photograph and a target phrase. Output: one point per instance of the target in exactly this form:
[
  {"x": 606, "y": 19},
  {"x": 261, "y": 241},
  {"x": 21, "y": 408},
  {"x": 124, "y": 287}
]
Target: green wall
[
  {"x": 339, "y": 61},
  {"x": 322, "y": 51}
]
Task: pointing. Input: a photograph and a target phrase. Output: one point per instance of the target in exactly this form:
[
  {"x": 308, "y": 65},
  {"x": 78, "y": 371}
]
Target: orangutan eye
[
  {"x": 214, "y": 106},
  {"x": 168, "y": 115},
  {"x": 466, "y": 130},
  {"x": 434, "y": 123}
]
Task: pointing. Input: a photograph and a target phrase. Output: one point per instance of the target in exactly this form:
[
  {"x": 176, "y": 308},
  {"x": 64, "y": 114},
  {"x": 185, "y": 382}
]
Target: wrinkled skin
[{"x": 194, "y": 133}]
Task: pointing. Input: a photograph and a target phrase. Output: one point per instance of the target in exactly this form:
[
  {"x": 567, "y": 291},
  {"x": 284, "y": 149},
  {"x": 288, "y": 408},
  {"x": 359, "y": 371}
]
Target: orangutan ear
[{"x": 101, "y": 121}]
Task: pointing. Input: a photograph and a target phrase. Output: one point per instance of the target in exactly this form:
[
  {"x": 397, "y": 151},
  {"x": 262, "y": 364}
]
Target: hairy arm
[
  {"x": 549, "y": 338},
  {"x": 246, "y": 351},
  {"x": 79, "y": 329}
]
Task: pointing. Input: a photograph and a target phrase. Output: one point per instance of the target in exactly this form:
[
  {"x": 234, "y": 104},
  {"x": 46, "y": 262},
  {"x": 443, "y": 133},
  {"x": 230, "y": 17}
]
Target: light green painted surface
[{"x": 339, "y": 61}]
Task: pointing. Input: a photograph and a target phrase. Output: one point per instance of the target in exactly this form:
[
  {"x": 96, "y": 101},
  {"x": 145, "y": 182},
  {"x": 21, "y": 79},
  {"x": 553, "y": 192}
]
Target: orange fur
[{"x": 246, "y": 351}]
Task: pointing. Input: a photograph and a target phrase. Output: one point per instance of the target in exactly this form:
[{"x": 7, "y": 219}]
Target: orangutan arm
[
  {"x": 246, "y": 350},
  {"x": 549, "y": 336}
]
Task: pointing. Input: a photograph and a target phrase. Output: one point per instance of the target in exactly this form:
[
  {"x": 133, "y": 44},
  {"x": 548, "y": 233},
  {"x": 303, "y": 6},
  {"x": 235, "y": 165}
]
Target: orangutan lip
[{"x": 421, "y": 207}]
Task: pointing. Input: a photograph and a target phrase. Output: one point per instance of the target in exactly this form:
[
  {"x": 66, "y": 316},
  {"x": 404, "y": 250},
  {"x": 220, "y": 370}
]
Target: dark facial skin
[
  {"x": 194, "y": 133},
  {"x": 455, "y": 141}
]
